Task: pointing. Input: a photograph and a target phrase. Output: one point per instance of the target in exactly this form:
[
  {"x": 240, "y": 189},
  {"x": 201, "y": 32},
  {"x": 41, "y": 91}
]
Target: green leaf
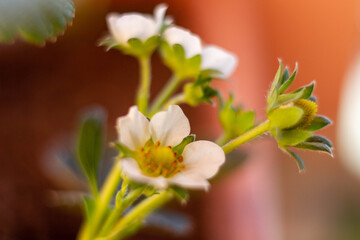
[
  {"x": 180, "y": 147},
  {"x": 34, "y": 21},
  {"x": 275, "y": 85},
  {"x": 285, "y": 76},
  {"x": 318, "y": 122},
  {"x": 315, "y": 146},
  {"x": 306, "y": 91},
  {"x": 90, "y": 143},
  {"x": 285, "y": 85},
  {"x": 292, "y": 137},
  {"x": 89, "y": 207},
  {"x": 319, "y": 139},
  {"x": 180, "y": 193},
  {"x": 298, "y": 159},
  {"x": 285, "y": 117}
]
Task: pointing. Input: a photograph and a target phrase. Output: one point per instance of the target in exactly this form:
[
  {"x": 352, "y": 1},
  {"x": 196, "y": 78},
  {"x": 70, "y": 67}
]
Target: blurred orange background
[{"x": 42, "y": 91}]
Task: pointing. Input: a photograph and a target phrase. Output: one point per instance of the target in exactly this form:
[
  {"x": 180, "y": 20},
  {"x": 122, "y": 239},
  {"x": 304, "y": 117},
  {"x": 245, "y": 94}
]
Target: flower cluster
[{"x": 139, "y": 34}]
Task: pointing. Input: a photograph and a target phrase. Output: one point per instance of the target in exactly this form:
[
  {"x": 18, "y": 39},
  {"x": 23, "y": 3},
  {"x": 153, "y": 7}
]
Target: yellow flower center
[{"x": 155, "y": 160}]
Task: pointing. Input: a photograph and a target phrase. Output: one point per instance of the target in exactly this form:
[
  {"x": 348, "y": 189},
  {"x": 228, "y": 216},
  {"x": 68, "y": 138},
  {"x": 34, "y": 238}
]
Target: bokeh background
[{"x": 43, "y": 90}]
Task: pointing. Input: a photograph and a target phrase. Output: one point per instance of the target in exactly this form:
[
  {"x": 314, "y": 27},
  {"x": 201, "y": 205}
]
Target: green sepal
[
  {"x": 318, "y": 122},
  {"x": 174, "y": 58},
  {"x": 125, "y": 151},
  {"x": 299, "y": 161},
  {"x": 319, "y": 139},
  {"x": 90, "y": 143},
  {"x": 290, "y": 137},
  {"x": 274, "y": 89},
  {"x": 180, "y": 193},
  {"x": 315, "y": 146},
  {"x": 34, "y": 21},
  {"x": 286, "y": 84},
  {"x": 135, "y": 46},
  {"x": 306, "y": 91},
  {"x": 285, "y": 117},
  {"x": 180, "y": 147}
]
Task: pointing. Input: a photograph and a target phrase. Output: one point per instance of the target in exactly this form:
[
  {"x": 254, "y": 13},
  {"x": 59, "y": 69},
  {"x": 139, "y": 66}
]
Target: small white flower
[
  {"x": 189, "y": 41},
  {"x": 155, "y": 162},
  {"x": 218, "y": 59},
  {"x": 135, "y": 25}
]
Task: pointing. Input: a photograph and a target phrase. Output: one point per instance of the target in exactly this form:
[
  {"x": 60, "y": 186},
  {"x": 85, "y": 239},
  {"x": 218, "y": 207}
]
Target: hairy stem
[
  {"x": 246, "y": 137},
  {"x": 143, "y": 93},
  {"x": 138, "y": 213},
  {"x": 90, "y": 229}
]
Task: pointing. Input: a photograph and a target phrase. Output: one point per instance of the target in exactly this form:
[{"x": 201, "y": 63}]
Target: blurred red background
[{"x": 42, "y": 91}]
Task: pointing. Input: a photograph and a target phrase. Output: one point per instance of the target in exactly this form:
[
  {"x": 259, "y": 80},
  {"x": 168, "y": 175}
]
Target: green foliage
[
  {"x": 234, "y": 120},
  {"x": 135, "y": 47},
  {"x": 293, "y": 117},
  {"x": 34, "y": 21},
  {"x": 90, "y": 144},
  {"x": 174, "y": 58}
]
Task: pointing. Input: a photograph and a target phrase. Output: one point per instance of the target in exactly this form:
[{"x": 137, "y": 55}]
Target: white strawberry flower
[
  {"x": 189, "y": 41},
  {"x": 154, "y": 160},
  {"x": 136, "y": 25},
  {"x": 220, "y": 61}
]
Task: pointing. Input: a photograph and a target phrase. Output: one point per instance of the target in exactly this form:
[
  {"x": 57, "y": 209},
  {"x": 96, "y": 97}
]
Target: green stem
[
  {"x": 139, "y": 212},
  {"x": 165, "y": 93},
  {"x": 222, "y": 139},
  {"x": 143, "y": 93},
  {"x": 116, "y": 213},
  {"x": 246, "y": 137},
  {"x": 89, "y": 230},
  {"x": 177, "y": 99}
]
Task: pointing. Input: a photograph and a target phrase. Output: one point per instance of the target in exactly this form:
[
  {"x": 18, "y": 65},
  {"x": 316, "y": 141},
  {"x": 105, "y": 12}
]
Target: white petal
[
  {"x": 190, "y": 180},
  {"x": 203, "y": 158},
  {"x": 159, "y": 15},
  {"x": 218, "y": 59},
  {"x": 133, "y": 129},
  {"x": 169, "y": 127},
  {"x": 189, "y": 41},
  {"x": 131, "y": 170},
  {"x": 131, "y": 25}
]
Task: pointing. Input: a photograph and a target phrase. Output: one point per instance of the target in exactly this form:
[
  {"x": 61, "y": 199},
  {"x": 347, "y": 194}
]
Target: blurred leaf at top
[{"x": 35, "y": 21}]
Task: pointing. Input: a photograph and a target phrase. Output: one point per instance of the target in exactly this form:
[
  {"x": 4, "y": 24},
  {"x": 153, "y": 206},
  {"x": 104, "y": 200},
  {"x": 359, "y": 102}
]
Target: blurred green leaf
[
  {"x": 285, "y": 117},
  {"x": 89, "y": 205},
  {"x": 34, "y": 21},
  {"x": 90, "y": 144},
  {"x": 318, "y": 122}
]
